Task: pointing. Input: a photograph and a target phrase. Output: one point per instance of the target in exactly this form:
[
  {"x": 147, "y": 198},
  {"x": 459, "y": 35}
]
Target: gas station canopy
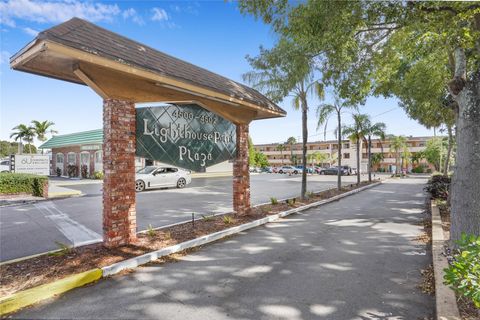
[{"x": 116, "y": 67}]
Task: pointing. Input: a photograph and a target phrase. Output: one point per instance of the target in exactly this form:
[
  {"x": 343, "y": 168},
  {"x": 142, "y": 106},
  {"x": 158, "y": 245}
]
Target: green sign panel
[{"x": 186, "y": 136}]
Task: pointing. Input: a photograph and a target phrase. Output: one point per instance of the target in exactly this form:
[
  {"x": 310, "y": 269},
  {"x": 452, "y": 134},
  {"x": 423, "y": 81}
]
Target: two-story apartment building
[{"x": 277, "y": 157}]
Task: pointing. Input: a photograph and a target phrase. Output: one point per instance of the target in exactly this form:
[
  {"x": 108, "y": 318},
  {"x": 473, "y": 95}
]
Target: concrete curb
[
  {"x": 446, "y": 302},
  {"x": 28, "y": 297}
]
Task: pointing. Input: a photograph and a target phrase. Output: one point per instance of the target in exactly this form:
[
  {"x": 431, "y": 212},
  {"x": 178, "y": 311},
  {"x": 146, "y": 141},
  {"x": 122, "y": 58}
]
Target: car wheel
[
  {"x": 281, "y": 172},
  {"x": 139, "y": 185},
  {"x": 295, "y": 172},
  {"x": 181, "y": 183},
  {"x": 322, "y": 172}
]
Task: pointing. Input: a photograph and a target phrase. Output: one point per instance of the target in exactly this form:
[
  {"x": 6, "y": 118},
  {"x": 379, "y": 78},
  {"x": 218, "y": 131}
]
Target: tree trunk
[
  {"x": 465, "y": 187},
  {"x": 339, "y": 160},
  {"x": 358, "y": 160},
  {"x": 369, "y": 159},
  {"x": 449, "y": 150},
  {"x": 304, "y": 148}
]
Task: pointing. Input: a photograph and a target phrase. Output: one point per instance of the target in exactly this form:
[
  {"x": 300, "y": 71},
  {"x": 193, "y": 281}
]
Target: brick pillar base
[
  {"x": 119, "y": 215},
  {"x": 241, "y": 174}
]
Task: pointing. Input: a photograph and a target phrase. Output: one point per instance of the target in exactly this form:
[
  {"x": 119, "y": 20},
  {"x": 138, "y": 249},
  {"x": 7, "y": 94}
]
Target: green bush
[
  {"x": 463, "y": 275},
  {"x": 98, "y": 175},
  {"x": 12, "y": 183},
  {"x": 438, "y": 186},
  {"x": 418, "y": 169}
]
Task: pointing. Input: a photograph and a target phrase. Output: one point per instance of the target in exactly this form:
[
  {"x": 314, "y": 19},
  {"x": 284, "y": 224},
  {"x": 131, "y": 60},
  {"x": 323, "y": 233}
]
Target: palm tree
[
  {"x": 41, "y": 129},
  {"x": 356, "y": 133},
  {"x": 281, "y": 148},
  {"x": 23, "y": 133},
  {"x": 317, "y": 157},
  {"x": 373, "y": 130},
  {"x": 324, "y": 111},
  {"x": 291, "y": 141},
  {"x": 397, "y": 145}
]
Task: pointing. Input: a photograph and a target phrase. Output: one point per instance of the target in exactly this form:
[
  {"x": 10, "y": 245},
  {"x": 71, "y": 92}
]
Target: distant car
[
  {"x": 289, "y": 170},
  {"x": 274, "y": 170},
  {"x": 5, "y": 166},
  {"x": 309, "y": 169},
  {"x": 152, "y": 177},
  {"x": 267, "y": 169},
  {"x": 317, "y": 169},
  {"x": 333, "y": 171}
]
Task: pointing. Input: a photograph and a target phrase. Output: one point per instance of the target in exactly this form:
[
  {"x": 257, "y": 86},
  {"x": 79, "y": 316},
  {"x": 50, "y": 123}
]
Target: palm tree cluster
[{"x": 26, "y": 133}]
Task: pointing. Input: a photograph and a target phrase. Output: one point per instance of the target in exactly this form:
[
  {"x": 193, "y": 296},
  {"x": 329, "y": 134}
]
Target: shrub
[
  {"x": 438, "y": 186},
  {"x": 463, "y": 275},
  {"x": 72, "y": 170},
  {"x": 84, "y": 171},
  {"x": 228, "y": 219},
  {"x": 273, "y": 200},
  {"x": 98, "y": 175},
  {"x": 418, "y": 169},
  {"x": 11, "y": 183},
  {"x": 58, "y": 171},
  {"x": 150, "y": 231}
]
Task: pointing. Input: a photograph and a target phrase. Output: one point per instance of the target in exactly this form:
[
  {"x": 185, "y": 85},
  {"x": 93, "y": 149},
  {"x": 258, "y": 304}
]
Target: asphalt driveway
[{"x": 351, "y": 259}]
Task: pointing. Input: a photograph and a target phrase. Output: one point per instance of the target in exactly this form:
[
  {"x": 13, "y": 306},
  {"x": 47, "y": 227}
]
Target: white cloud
[
  {"x": 131, "y": 13},
  {"x": 55, "y": 11},
  {"x": 4, "y": 56},
  {"x": 30, "y": 31},
  {"x": 159, "y": 14}
]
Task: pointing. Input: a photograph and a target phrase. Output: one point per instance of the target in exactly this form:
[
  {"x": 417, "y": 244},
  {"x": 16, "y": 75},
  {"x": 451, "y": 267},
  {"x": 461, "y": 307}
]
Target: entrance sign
[
  {"x": 187, "y": 136},
  {"x": 31, "y": 163}
]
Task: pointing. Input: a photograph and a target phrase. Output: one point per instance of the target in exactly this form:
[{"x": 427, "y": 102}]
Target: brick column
[
  {"x": 241, "y": 174},
  {"x": 119, "y": 215}
]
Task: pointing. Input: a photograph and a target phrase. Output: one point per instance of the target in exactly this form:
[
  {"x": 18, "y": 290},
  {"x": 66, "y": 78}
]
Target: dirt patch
[
  {"x": 428, "y": 280},
  {"x": 33, "y": 272}
]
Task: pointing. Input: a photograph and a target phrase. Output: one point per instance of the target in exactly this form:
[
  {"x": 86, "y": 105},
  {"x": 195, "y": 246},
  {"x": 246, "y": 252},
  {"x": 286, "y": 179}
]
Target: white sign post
[{"x": 31, "y": 163}]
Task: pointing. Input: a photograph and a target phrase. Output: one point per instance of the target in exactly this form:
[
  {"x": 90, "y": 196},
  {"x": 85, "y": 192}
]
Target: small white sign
[{"x": 32, "y": 163}]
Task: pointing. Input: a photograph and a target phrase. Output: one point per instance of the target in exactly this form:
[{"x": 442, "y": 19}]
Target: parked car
[
  {"x": 333, "y": 171},
  {"x": 275, "y": 170},
  {"x": 317, "y": 169},
  {"x": 267, "y": 169},
  {"x": 289, "y": 170},
  {"x": 347, "y": 170},
  {"x": 5, "y": 166},
  {"x": 309, "y": 169},
  {"x": 161, "y": 177}
]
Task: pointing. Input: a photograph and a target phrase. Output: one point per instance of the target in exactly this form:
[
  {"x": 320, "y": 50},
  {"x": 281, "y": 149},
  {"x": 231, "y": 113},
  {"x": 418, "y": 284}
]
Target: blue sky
[{"x": 211, "y": 34}]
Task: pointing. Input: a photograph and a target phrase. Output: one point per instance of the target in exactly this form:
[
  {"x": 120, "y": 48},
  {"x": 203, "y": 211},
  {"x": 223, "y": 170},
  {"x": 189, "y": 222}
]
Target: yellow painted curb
[{"x": 30, "y": 296}]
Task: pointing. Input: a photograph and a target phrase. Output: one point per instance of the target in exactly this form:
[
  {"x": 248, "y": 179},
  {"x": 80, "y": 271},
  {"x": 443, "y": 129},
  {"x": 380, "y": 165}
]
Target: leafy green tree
[
  {"x": 317, "y": 158},
  {"x": 286, "y": 71},
  {"x": 24, "y": 133},
  {"x": 356, "y": 133},
  {"x": 324, "y": 111},
  {"x": 261, "y": 160},
  {"x": 7, "y": 148},
  {"x": 251, "y": 153},
  {"x": 397, "y": 145},
  {"x": 291, "y": 141},
  {"x": 432, "y": 152},
  {"x": 370, "y": 130},
  {"x": 42, "y": 128},
  {"x": 385, "y": 44},
  {"x": 376, "y": 158}
]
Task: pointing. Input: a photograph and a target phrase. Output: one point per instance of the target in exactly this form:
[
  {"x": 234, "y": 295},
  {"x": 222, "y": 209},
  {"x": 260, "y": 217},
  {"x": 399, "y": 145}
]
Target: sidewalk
[{"x": 351, "y": 259}]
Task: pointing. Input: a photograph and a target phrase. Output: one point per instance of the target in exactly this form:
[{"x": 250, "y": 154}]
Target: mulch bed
[{"x": 47, "y": 268}]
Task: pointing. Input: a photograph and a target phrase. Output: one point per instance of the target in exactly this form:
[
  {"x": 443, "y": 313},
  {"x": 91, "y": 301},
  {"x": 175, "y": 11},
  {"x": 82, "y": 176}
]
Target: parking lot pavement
[
  {"x": 351, "y": 259},
  {"x": 30, "y": 229}
]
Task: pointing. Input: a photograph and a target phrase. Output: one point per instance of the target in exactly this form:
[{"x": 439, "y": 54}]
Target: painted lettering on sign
[{"x": 186, "y": 136}]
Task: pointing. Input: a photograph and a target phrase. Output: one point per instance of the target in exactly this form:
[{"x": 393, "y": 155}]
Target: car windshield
[{"x": 147, "y": 170}]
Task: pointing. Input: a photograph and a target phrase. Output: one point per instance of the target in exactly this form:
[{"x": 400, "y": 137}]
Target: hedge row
[{"x": 11, "y": 183}]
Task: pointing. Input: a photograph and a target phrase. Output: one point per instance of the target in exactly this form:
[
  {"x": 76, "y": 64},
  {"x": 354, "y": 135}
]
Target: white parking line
[{"x": 77, "y": 233}]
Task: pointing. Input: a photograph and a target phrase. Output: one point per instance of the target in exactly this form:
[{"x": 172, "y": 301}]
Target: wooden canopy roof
[{"x": 117, "y": 67}]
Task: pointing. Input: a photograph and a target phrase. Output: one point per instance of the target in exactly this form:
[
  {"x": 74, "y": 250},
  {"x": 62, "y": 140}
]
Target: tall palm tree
[
  {"x": 324, "y": 111},
  {"x": 291, "y": 141},
  {"x": 397, "y": 145},
  {"x": 281, "y": 148},
  {"x": 42, "y": 128},
  {"x": 356, "y": 133},
  {"x": 23, "y": 133},
  {"x": 370, "y": 130}
]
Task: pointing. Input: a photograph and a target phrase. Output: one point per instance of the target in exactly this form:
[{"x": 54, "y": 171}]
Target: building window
[
  {"x": 99, "y": 157},
  {"x": 59, "y": 158},
  {"x": 72, "y": 158},
  {"x": 346, "y": 145},
  {"x": 346, "y": 156}
]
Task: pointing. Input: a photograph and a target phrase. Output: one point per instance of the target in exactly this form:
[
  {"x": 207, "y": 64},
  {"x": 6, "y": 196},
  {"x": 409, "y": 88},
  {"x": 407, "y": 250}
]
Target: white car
[
  {"x": 290, "y": 170},
  {"x": 161, "y": 177},
  {"x": 5, "y": 166}
]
